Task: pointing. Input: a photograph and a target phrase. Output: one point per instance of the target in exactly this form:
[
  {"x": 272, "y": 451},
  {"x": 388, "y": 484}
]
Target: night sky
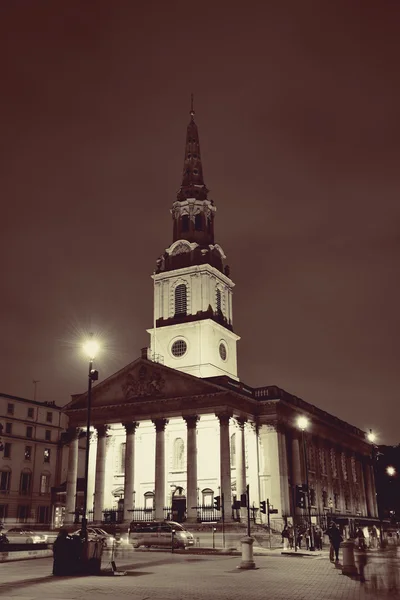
[{"x": 297, "y": 105}]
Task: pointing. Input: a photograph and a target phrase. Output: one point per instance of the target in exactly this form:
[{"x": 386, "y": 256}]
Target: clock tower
[{"x": 193, "y": 329}]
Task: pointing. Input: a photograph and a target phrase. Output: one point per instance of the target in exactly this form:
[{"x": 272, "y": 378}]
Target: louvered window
[
  {"x": 180, "y": 299},
  {"x": 219, "y": 301}
]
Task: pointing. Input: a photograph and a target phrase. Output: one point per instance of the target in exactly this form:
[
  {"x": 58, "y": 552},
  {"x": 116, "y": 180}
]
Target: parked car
[
  {"x": 20, "y": 535},
  {"x": 159, "y": 533},
  {"x": 97, "y": 533}
]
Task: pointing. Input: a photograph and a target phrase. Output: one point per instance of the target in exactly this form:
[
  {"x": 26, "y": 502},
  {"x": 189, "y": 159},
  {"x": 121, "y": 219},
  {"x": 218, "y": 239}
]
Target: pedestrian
[
  {"x": 307, "y": 535},
  {"x": 291, "y": 536},
  {"x": 285, "y": 537},
  {"x": 335, "y": 539},
  {"x": 318, "y": 538},
  {"x": 299, "y": 537},
  {"x": 361, "y": 545}
]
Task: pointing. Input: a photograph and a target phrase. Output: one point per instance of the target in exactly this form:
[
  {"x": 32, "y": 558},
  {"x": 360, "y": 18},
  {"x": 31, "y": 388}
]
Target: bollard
[
  {"x": 348, "y": 566},
  {"x": 247, "y": 554}
]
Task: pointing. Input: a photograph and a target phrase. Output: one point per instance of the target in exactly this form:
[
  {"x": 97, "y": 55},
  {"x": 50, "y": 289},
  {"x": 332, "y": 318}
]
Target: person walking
[
  {"x": 291, "y": 536},
  {"x": 335, "y": 539},
  {"x": 318, "y": 538}
]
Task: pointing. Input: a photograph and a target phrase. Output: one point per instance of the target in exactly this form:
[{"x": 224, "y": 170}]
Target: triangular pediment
[{"x": 143, "y": 380}]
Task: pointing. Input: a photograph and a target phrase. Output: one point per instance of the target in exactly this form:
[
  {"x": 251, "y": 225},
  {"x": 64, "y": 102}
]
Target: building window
[
  {"x": 179, "y": 348},
  {"x": 7, "y": 450},
  {"x": 322, "y": 461},
  {"x": 149, "y": 501},
  {"x": 47, "y": 435},
  {"x": 49, "y": 417},
  {"x": 198, "y": 222},
  {"x": 29, "y": 432},
  {"x": 44, "y": 484},
  {"x": 179, "y": 455},
  {"x": 185, "y": 222},
  {"x": 28, "y": 452},
  {"x": 180, "y": 299},
  {"x": 207, "y": 497},
  {"x": 43, "y": 514},
  {"x": 122, "y": 457},
  {"x": 9, "y": 428},
  {"x": 233, "y": 450},
  {"x": 23, "y": 513},
  {"x": 347, "y": 501},
  {"x": 3, "y": 511},
  {"x": 30, "y": 413},
  {"x": 219, "y": 301},
  {"x": 25, "y": 483},
  {"x": 46, "y": 455},
  {"x": 311, "y": 457},
  {"x": 336, "y": 500},
  {"x": 222, "y": 351},
  {"x": 313, "y": 497},
  {"x": 324, "y": 499},
  {"x": 10, "y": 409},
  {"x": 344, "y": 466},
  {"x": 354, "y": 469},
  {"x": 333, "y": 463},
  {"x": 5, "y": 480}
]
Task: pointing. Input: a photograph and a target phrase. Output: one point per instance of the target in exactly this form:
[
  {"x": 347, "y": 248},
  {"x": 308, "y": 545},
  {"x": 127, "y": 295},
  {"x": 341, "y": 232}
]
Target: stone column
[
  {"x": 98, "y": 505},
  {"x": 129, "y": 483},
  {"x": 240, "y": 464},
  {"x": 225, "y": 464},
  {"x": 72, "y": 475},
  {"x": 160, "y": 467},
  {"x": 191, "y": 467}
]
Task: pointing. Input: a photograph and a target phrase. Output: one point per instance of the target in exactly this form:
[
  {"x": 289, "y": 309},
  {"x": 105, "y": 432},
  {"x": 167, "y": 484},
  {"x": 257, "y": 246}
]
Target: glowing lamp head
[
  {"x": 371, "y": 436},
  {"x": 302, "y": 423},
  {"x": 391, "y": 471},
  {"x": 91, "y": 348}
]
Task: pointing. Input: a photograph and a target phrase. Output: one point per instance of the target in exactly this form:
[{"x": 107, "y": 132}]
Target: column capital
[
  {"x": 191, "y": 421},
  {"x": 159, "y": 424},
  {"x": 131, "y": 426},
  {"x": 224, "y": 417},
  {"x": 240, "y": 421},
  {"x": 101, "y": 430},
  {"x": 73, "y": 433}
]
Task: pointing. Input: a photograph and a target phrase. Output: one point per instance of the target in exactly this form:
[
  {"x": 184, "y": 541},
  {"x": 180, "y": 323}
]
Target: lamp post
[
  {"x": 374, "y": 456},
  {"x": 91, "y": 347},
  {"x": 302, "y": 423}
]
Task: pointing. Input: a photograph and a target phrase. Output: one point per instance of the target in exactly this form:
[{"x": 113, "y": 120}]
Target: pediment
[{"x": 141, "y": 381}]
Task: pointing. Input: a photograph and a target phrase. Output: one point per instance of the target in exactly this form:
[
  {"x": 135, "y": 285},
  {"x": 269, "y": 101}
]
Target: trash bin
[{"x": 73, "y": 556}]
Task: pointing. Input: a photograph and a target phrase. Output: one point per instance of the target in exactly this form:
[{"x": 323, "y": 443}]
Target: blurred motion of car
[
  {"x": 159, "y": 533},
  {"x": 20, "y": 535},
  {"x": 96, "y": 533}
]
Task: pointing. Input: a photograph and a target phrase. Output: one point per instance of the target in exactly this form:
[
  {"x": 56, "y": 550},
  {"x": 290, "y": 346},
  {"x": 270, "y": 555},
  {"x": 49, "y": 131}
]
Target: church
[{"x": 176, "y": 434}]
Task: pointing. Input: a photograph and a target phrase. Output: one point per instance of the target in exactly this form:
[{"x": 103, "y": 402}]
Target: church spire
[{"x": 192, "y": 180}]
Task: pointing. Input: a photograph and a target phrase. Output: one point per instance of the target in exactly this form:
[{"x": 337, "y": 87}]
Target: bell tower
[{"x": 193, "y": 329}]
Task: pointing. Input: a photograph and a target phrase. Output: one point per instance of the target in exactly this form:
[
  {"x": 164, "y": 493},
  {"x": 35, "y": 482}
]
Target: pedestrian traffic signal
[
  {"x": 263, "y": 507},
  {"x": 300, "y": 496},
  {"x": 217, "y": 502}
]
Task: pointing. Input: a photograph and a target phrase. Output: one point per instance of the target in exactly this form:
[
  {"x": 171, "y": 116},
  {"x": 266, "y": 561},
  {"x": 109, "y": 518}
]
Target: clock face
[{"x": 222, "y": 351}]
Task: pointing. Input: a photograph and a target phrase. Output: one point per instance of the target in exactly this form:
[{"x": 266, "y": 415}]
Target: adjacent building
[
  {"x": 30, "y": 458},
  {"x": 176, "y": 432}
]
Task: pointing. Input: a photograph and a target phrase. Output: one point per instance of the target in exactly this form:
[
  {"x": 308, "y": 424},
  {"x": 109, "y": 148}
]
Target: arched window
[
  {"x": 233, "y": 450},
  {"x": 198, "y": 222},
  {"x": 185, "y": 222},
  {"x": 149, "y": 501},
  {"x": 178, "y": 455},
  {"x": 219, "y": 301},
  {"x": 44, "y": 483},
  {"x": 5, "y": 479},
  {"x": 207, "y": 497},
  {"x": 180, "y": 299},
  {"x": 25, "y": 482}
]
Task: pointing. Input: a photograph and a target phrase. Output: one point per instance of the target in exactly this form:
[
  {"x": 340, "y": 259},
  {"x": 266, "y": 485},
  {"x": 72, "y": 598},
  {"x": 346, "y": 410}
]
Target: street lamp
[
  {"x": 91, "y": 348},
  {"x": 391, "y": 471},
  {"x": 303, "y": 423}
]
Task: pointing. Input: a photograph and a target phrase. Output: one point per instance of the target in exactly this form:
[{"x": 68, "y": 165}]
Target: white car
[
  {"x": 20, "y": 535},
  {"x": 98, "y": 533}
]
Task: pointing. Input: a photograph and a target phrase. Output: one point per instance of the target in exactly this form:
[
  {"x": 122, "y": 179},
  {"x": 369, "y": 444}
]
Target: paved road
[{"x": 164, "y": 576}]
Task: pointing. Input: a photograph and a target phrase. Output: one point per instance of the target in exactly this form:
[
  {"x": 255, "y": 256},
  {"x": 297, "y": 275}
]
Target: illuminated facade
[{"x": 176, "y": 427}]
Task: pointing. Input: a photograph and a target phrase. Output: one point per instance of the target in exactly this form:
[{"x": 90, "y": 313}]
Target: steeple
[{"x": 192, "y": 179}]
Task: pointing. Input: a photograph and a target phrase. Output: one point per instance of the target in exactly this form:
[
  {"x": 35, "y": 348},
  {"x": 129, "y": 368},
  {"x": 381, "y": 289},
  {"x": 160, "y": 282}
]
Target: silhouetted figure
[{"x": 335, "y": 539}]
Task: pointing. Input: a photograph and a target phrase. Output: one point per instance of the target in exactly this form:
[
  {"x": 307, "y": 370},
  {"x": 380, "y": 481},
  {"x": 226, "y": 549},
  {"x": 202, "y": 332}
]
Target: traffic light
[
  {"x": 263, "y": 507},
  {"x": 217, "y": 502},
  {"x": 300, "y": 496}
]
